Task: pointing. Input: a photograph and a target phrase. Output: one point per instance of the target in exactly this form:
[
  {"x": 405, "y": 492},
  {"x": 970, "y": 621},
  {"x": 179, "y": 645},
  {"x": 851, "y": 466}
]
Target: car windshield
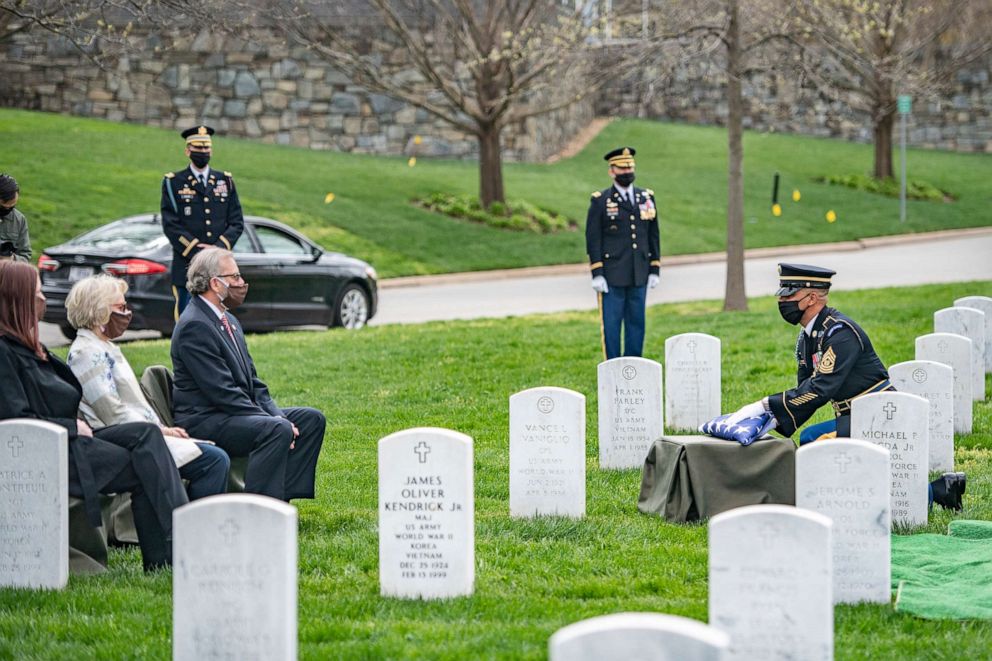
[{"x": 133, "y": 236}]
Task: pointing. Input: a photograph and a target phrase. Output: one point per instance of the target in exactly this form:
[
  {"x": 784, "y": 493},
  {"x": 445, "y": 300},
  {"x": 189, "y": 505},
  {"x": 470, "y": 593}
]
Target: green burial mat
[{"x": 945, "y": 577}]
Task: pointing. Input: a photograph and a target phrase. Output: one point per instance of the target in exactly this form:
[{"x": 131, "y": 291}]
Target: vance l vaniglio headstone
[
  {"x": 548, "y": 452},
  {"x": 983, "y": 303},
  {"x": 771, "y": 582},
  {"x": 933, "y": 382},
  {"x": 630, "y": 417},
  {"x": 969, "y": 323},
  {"x": 899, "y": 422},
  {"x": 954, "y": 351},
  {"x": 34, "y": 505},
  {"x": 692, "y": 380},
  {"x": 426, "y": 514},
  {"x": 234, "y": 589},
  {"x": 847, "y": 481},
  {"x": 638, "y": 637}
]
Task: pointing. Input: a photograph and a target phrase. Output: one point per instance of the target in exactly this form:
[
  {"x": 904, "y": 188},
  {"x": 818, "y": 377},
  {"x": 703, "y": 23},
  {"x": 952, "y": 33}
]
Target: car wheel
[
  {"x": 68, "y": 331},
  {"x": 353, "y": 308}
]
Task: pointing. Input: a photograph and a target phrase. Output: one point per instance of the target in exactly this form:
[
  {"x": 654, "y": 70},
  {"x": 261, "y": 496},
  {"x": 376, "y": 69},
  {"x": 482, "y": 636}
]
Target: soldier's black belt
[{"x": 843, "y": 407}]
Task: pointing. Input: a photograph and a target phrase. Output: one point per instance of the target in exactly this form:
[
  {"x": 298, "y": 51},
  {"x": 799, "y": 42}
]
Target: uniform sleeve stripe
[{"x": 596, "y": 265}]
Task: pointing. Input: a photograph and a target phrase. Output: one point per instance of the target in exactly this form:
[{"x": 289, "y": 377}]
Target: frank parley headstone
[{"x": 630, "y": 417}]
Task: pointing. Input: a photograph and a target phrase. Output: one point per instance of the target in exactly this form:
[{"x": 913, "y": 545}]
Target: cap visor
[{"x": 787, "y": 291}]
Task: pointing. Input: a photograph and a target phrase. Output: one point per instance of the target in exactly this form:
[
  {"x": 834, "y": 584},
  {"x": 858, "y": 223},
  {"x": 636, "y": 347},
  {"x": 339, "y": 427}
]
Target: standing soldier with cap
[
  {"x": 622, "y": 241},
  {"x": 837, "y": 364},
  {"x": 200, "y": 208}
]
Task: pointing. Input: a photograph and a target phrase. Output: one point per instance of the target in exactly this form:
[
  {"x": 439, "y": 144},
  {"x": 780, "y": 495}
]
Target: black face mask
[
  {"x": 790, "y": 311},
  {"x": 625, "y": 179},
  {"x": 199, "y": 159},
  {"x": 5, "y": 211}
]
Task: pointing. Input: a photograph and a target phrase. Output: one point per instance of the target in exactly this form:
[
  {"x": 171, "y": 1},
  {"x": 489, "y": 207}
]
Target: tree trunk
[
  {"x": 882, "y": 130},
  {"x": 490, "y": 165},
  {"x": 735, "y": 297}
]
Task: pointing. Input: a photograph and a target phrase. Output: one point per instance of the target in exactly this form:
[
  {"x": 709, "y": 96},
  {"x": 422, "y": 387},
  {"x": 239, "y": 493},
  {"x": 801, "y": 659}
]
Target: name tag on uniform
[{"x": 188, "y": 211}]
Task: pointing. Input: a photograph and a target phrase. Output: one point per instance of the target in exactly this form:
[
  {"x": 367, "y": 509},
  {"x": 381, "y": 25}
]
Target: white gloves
[
  {"x": 749, "y": 411},
  {"x": 599, "y": 284},
  {"x": 653, "y": 280}
]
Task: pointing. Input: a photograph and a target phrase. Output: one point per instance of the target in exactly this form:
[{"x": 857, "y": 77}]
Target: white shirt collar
[
  {"x": 627, "y": 192},
  {"x": 205, "y": 172},
  {"x": 217, "y": 310},
  {"x": 809, "y": 327}
]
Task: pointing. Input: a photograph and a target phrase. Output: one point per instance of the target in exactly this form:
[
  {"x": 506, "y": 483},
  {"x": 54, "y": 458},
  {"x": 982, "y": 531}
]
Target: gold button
[
  {"x": 206, "y": 211},
  {"x": 209, "y": 235},
  {"x": 632, "y": 217},
  {"x": 208, "y": 222},
  {"x": 633, "y": 236},
  {"x": 632, "y": 226},
  {"x": 607, "y": 255},
  {"x": 207, "y": 199}
]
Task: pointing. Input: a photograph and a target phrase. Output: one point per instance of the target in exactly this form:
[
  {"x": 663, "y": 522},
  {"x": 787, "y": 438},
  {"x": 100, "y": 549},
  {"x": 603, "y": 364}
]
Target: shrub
[
  {"x": 521, "y": 216},
  {"x": 915, "y": 190}
]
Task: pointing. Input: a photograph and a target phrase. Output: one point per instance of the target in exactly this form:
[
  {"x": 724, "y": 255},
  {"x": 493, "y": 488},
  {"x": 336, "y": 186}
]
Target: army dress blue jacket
[
  {"x": 622, "y": 241},
  {"x": 193, "y": 214}
]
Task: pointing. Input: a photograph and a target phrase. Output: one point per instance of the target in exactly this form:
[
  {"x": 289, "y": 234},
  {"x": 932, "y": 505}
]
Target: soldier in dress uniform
[
  {"x": 622, "y": 241},
  {"x": 200, "y": 208},
  {"x": 836, "y": 363}
]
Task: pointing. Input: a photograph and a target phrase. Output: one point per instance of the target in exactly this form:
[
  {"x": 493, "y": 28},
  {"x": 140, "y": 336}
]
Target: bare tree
[{"x": 879, "y": 49}]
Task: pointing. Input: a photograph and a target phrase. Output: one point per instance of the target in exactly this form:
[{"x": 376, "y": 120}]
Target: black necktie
[{"x": 202, "y": 180}]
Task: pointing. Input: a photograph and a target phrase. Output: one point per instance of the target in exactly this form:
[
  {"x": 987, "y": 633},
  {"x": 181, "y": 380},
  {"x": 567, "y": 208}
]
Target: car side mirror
[{"x": 315, "y": 254}]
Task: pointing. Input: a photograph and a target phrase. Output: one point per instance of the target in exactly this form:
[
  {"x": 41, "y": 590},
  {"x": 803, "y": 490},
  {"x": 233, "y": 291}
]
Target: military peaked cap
[
  {"x": 198, "y": 136},
  {"x": 793, "y": 277},
  {"x": 622, "y": 157}
]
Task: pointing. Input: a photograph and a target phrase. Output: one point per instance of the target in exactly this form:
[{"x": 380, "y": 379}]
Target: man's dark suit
[{"x": 217, "y": 395}]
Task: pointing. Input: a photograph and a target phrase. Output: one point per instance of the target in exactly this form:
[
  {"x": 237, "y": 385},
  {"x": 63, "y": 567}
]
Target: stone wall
[{"x": 263, "y": 89}]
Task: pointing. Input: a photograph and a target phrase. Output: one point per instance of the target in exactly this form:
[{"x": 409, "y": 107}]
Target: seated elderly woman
[
  {"x": 123, "y": 458},
  {"x": 111, "y": 395}
]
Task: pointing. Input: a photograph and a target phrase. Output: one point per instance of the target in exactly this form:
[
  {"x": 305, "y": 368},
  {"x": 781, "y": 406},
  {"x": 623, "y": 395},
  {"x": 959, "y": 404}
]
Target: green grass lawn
[
  {"x": 533, "y": 576},
  {"x": 78, "y": 173}
]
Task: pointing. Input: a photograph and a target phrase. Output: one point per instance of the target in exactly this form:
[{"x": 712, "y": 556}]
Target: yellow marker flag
[
  {"x": 831, "y": 216},
  {"x": 796, "y": 196},
  {"x": 412, "y": 161},
  {"x": 417, "y": 139},
  {"x": 328, "y": 198},
  {"x": 776, "y": 210}
]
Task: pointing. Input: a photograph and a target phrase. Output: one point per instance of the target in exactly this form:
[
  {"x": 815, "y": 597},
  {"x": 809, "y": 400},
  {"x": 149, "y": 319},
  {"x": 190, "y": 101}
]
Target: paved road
[{"x": 891, "y": 261}]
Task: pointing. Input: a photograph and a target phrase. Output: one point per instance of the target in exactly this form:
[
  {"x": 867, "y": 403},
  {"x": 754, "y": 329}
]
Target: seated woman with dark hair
[
  {"x": 111, "y": 395},
  {"x": 131, "y": 457}
]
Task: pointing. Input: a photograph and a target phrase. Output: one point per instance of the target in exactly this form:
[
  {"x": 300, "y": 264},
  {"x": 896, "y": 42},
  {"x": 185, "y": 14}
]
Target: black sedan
[{"x": 293, "y": 281}]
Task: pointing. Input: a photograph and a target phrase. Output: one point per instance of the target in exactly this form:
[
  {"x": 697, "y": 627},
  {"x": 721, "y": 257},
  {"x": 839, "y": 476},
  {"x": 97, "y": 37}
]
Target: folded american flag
[{"x": 745, "y": 431}]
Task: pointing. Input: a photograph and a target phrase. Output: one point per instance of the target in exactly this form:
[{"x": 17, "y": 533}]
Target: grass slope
[
  {"x": 78, "y": 173},
  {"x": 532, "y": 576}
]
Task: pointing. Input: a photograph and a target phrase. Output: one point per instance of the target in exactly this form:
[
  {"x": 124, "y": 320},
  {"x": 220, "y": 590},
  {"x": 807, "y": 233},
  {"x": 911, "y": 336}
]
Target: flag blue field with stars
[{"x": 745, "y": 431}]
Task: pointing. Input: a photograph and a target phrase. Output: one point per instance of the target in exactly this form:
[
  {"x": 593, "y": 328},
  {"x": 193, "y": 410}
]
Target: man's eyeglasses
[{"x": 236, "y": 276}]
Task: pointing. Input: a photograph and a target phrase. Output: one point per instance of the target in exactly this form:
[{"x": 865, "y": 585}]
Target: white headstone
[
  {"x": 426, "y": 514},
  {"x": 847, "y": 481},
  {"x": 34, "y": 505},
  {"x": 899, "y": 422},
  {"x": 548, "y": 452},
  {"x": 638, "y": 637},
  {"x": 969, "y": 323},
  {"x": 692, "y": 380},
  {"x": 983, "y": 303},
  {"x": 630, "y": 417},
  {"x": 771, "y": 582},
  {"x": 234, "y": 579},
  {"x": 933, "y": 382},
  {"x": 954, "y": 351}
]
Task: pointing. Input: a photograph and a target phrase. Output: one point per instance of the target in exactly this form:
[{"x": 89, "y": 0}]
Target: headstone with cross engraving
[
  {"x": 636, "y": 636},
  {"x": 34, "y": 505},
  {"x": 234, "y": 591},
  {"x": 548, "y": 452},
  {"x": 847, "y": 481},
  {"x": 954, "y": 351},
  {"x": 969, "y": 323},
  {"x": 983, "y": 303},
  {"x": 771, "y": 582},
  {"x": 899, "y": 422},
  {"x": 692, "y": 381},
  {"x": 426, "y": 514},
  {"x": 630, "y": 417},
  {"x": 935, "y": 383}
]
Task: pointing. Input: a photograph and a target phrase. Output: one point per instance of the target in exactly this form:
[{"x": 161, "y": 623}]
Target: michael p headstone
[
  {"x": 969, "y": 323},
  {"x": 771, "y": 582},
  {"x": 983, "y": 303},
  {"x": 630, "y": 417},
  {"x": 426, "y": 514},
  {"x": 638, "y": 637},
  {"x": 847, "y": 481},
  {"x": 234, "y": 590},
  {"x": 899, "y": 422},
  {"x": 34, "y": 505},
  {"x": 933, "y": 382},
  {"x": 692, "y": 380},
  {"x": 954, "y": 351},
  {"x": 548, "y": 452}
]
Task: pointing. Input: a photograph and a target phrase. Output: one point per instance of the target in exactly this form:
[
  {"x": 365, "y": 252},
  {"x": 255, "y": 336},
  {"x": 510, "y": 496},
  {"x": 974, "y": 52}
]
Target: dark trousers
[
  {"x": 151, "y": 477},
  {"x": 623, "y": 305},
  {"x": 207, "y": 474},
  {"x": 273, "y": 468},
  {"x": 182, "y": 299}
]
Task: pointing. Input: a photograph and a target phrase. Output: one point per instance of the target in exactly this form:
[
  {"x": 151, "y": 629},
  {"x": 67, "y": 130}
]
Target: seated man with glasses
[{"x": 217, "y": 393}]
